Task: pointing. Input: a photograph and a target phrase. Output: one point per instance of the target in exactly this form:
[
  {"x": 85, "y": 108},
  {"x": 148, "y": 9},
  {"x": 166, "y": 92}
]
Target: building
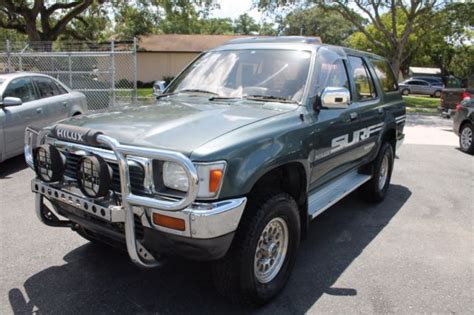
[{"x": 161, "y": 56}]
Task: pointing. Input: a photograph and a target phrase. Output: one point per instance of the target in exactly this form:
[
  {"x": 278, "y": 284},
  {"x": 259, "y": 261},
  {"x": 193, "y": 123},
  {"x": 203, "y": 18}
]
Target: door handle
[
  {"x": 39, "y": 110},
  {"x": 353, "y": 116}
]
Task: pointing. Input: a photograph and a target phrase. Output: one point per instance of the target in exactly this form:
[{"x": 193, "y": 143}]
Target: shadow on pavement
[
  {"x": 12, "y": 166},
  {"x": 97, "y": 279}
]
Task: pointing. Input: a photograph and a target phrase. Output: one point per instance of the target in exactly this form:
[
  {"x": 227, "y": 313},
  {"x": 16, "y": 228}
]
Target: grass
[
  {"x": 421, "y": 104},
  {"x": 145, "y": 92}
]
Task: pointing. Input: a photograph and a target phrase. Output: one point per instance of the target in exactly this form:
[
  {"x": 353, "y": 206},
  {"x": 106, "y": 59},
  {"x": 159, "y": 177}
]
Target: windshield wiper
[
  {"x": 216, "y": 98},
  {"x": 186, "y": 91},
  {"x": 269, "y": 98},
  {"x": 197, "y": 91}
]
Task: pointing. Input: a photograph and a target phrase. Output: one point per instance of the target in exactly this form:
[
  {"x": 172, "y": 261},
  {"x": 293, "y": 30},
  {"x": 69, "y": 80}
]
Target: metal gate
[{"x": 105, "y": 72}]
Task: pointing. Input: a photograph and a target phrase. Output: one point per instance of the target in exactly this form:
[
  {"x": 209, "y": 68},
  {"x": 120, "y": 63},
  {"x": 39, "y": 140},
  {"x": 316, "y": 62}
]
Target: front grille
[{"x": 137, "y": 174}]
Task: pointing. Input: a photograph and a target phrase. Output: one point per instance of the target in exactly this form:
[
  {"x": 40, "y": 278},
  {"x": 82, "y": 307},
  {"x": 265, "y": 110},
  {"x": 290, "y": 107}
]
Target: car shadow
[
  {"x": 97, "y": 279},
  {"x": 11, "y": 166}
]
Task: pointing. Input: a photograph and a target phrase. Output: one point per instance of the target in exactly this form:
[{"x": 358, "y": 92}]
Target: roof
[
  {"x": 16, "y": 74},
  {"x": 183, "y": 43},
  {"x": 277, "y": 39},
  {"x": 432, "y": 71}
]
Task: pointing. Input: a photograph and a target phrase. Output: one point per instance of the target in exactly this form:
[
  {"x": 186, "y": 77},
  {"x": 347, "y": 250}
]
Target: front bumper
[
  {"x": 203, "y": 221},
  {"x": 209, "y": 227}
]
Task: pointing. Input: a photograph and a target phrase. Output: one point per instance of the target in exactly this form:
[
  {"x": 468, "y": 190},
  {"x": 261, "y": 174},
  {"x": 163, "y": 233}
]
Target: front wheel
[
  {"x": 465, "y": 138},
  {"x": 376, "y": 188},
  {"x": 263, "y": 253},
  {"x": 405, "y": 91},
  {"x": 437, "y": 94}
]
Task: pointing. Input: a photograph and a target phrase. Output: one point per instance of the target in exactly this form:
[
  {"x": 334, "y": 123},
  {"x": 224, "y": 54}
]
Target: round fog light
[
  {"x": 94, "y": 176},
  {"x": 49, "y": 163}
]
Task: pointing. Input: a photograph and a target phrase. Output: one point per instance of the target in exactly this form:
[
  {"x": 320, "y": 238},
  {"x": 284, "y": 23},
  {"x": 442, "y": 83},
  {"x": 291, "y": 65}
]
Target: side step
[{"x": 329, "y": 194}]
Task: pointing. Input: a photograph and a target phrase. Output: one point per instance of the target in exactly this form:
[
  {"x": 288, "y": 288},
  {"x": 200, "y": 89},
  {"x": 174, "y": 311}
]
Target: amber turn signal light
[
  {"x": 215, "y": 177},
  {"x": 169, "y": 222}
]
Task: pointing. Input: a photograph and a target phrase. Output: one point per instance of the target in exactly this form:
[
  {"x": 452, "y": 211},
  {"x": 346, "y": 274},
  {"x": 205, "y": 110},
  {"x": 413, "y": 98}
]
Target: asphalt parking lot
[{"x": 413, "y": 253}]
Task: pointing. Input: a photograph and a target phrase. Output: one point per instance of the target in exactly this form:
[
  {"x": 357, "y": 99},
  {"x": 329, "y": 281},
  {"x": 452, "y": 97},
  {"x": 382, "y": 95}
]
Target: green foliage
[
  {"x": 132, "y": 22},
  {"x": 245, "y": 25},
  {"x": 330, "y": 26}
]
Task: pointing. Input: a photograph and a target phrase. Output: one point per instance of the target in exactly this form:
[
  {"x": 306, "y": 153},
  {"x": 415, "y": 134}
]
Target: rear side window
[
  {"x": 362, "y": 79},
  {"x": 385, "y": 75},
  {"x": 47, "y": 87},
  {"x": 21, "y": 88}
]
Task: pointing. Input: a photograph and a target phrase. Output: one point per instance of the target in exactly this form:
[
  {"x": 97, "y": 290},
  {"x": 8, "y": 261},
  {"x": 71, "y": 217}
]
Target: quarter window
[
  {"x": 362, "y": 79},
  {"x": 385, "y": 75},
  {"x": 21, "y": 88}
]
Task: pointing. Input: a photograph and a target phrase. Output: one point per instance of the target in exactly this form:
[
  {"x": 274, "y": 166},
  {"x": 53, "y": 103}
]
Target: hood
[{"x": 176, "y": 123}]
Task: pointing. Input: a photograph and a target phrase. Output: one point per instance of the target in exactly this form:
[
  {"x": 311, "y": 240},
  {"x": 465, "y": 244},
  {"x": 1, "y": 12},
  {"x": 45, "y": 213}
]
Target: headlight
[
  {"x": 94, "y": 176},
  {"x": 210, "y": 178},
  {"x": 174, "y": 176},
  {"x": 49, "y": 163}
]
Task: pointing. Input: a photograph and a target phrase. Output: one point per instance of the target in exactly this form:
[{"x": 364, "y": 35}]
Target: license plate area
[{"x": 111, "y": 214}]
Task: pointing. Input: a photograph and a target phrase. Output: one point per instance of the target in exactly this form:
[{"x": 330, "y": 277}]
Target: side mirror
[
  {"x": 335, "y": 97},
  {"x": 11, "y": 101},
  {"x": 158, "y": 87}
]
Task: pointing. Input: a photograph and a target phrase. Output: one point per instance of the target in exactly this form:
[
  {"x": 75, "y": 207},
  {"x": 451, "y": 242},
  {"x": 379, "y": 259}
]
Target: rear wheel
[
  {"x": 465, "y": 138},
  {"x": 263, "y": 253},
  {"x": 376, "y": 188}
]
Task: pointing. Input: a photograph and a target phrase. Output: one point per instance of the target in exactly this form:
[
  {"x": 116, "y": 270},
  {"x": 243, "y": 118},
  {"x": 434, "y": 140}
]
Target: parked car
[
  {"x": 451, "y": 98},
  {"x": 463, "y": 125},
  {"x": 422, "y": 87},
  {"x": 432, "y": 80},
  {"x": 240, "y": 152},
  {"x": 32, "y": 99}
]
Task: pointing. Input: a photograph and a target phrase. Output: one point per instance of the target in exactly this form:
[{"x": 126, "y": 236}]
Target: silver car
[
  {"x": 422, "y": 87},
  {"x": 32, "y": 99}
]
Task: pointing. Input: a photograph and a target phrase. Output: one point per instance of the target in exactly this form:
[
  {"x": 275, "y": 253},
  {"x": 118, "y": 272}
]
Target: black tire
[
  {"x": 374, "y": 190},
  {"x": 466, "y": 142},
  {"x": 234, "y": 275},
  {"x": 405, "y": 92},
  {"x": 437, "y": 94}
]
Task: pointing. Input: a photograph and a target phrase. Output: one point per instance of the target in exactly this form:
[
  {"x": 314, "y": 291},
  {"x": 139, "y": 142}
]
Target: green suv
[{"x": 245, "y": 147}]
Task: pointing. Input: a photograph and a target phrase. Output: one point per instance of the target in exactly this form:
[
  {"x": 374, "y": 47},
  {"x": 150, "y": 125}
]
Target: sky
[{"x": 233, "y": 8}]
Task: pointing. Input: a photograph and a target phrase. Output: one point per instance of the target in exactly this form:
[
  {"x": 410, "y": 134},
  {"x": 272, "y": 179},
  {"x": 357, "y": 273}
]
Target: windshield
[{"x": 266, "y": 73}]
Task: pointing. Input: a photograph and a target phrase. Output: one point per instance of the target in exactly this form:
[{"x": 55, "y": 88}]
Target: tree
[
  {"x": 41, "y": 20},
  {"x": 132, "y": 21},
  {"x": 267, "y": 29},
  {"x": 316, "y": 22},
  {"x": 85, "y": 26},
  {"x": 245, "y": 24},
  {"x": 216, "y": 26},
  {"x": 395, "y": 40}
]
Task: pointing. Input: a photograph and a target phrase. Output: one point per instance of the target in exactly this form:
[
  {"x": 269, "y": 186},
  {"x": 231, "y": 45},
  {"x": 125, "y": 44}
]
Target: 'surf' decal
[{"x": 343, "y": 141}]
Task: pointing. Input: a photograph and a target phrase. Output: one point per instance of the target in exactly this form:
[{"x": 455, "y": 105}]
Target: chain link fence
[{"x": 105, "y": 72}]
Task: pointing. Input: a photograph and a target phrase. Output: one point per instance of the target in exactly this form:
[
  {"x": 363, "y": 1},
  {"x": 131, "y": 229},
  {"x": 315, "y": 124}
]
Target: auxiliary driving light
[
  {"x": 49, "y": 163},
  {"x": 94, "y": 176}
]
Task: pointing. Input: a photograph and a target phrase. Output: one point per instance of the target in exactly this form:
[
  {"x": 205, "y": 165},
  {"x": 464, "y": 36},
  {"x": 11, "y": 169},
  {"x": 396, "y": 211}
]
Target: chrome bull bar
[{"x": 129, "y": 199}]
